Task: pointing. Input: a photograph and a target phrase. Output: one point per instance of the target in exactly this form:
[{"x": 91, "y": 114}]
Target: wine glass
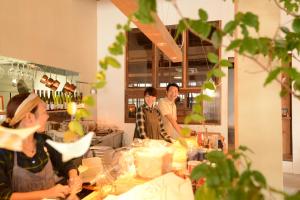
[
  {"x": 11, "y": 70},
  {"x": 2, "y": 71}
]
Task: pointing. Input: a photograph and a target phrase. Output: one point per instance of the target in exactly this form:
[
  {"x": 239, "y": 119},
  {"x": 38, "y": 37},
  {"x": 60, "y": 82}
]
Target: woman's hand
[
  {"x": 58, "y": 191},
  {"x": 75, "y": 184}
]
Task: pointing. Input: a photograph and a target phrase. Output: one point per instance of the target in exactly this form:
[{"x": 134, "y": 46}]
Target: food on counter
[
  {"x": 168, "y": 186},
  {"x": 152, "y": 162}
]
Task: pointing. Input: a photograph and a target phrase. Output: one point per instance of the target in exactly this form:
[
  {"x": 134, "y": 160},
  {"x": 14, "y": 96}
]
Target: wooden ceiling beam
[{"x": 156, "y": 31}]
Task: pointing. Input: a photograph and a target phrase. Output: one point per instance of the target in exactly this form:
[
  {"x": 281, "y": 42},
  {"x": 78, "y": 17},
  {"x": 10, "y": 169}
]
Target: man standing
[{"x": 168, "y": 110}]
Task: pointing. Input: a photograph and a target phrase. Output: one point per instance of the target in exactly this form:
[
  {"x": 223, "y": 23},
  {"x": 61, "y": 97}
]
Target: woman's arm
[
  {"x": 54, "y": 192},
  {"x": 140, "y": 122}
]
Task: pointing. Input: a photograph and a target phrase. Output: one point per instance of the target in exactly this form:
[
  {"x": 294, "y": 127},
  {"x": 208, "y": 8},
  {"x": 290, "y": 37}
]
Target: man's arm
[{"x": 174, "y": 123}]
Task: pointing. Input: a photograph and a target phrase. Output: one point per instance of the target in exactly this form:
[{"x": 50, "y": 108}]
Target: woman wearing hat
[{"x": 30, "y": 174}]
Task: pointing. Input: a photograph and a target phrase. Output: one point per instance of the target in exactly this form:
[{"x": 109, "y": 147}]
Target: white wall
[
  {"x": 111, "y": 98},
  {"x": 60, "y": 33},
  {"x": 257, "y": 108}
]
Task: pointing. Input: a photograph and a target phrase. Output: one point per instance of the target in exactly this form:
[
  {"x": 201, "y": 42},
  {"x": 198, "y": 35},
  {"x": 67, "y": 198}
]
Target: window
[{"x": 147, "y": 66}]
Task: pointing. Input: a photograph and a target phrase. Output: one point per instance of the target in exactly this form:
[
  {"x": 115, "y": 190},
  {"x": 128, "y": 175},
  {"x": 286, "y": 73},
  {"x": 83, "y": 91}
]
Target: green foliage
[
  {"x": 272, "y": 75},
  {"x": 292, "y": 6},
  {"x": 216, "y": 38},
  {"x": 202, "y": 14},
  {"x": 185, "y": 131},
  {"x": 224, "y": 181},
  {"x": 213, "y": 58},
  {"x": 88, "y": 100},
  {"x": 76, "y": 127},
  {"x": 144, "y": 13}
]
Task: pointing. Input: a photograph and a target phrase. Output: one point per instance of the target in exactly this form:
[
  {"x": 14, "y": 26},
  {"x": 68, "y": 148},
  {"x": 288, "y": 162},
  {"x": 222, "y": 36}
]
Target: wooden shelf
[{"x": 56, "y": 111}]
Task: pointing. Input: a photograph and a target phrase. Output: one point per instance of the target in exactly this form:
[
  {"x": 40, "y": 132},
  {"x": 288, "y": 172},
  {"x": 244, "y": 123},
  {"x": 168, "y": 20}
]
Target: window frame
[{"x": 134, "y": 92}]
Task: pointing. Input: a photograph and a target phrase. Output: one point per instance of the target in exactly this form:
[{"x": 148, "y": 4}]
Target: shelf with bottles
[{"x": 58, "y": 101}]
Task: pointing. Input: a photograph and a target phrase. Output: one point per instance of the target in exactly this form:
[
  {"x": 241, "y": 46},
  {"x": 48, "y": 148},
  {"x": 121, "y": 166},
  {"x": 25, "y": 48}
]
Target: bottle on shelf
[
  {"x": 55, "y": 97},
  {"x": 43, "y": 96},
  {"x": 63, "y": 98},
  {"x": 38, "y": 93},
  {"x": 80, "y": 97},
  {"x": 76, "y": 97},
  {"x": 51, "y": 101},
  {"x": 59, "y": 101},
  {"x": 73, "y": 97}
]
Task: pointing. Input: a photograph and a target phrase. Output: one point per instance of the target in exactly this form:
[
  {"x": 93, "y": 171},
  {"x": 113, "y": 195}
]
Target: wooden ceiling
[{"x": 156, "y": 32}]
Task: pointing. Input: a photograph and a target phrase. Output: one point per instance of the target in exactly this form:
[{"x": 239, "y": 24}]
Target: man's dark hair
[
  {"x": 172, "y": 85},
  {"x": 151, "y": 91}
]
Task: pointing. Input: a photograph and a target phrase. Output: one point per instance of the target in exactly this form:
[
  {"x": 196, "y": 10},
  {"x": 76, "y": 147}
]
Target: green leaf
[
  {"x": 180, "y": 28},
  {"x": 213, "y": 58},
  {"x": 230, "y": 27},
  {"x": 197, "y": 108},
  {"x": 296, "y": 25},
  {"x": 188, "y": 119},
  {"x": 232, "y": 169},
  {"x": 296, "y": 85},
  {"x": 295, "y": 196},
  {"x": 103, "y": 64},
  {"x": 101, "y": 75},
  {"x": 82, "y": 113},
  {"x": 88, "y": 100},
  {"x": 115, "y": 49},
  {"x": 144, "y": 13},
  {"x": 197, "y": 118},
  {"x": 76, "y": 127},
  {"x": 244, "y": 148},
  {"x": 119, "y": 26},
  {"x": 205, "y": 193},
  {"x": 216, "y": 39},
  {"x": 251, "y": 20},
  {"x": 264, "y": 45},
  {"x": 209, "y": 85},
  {"x": 112, "y": 61},
  {"x": 202, "y": 28},
  {"x": 249, "y": 45},
  {"x": 225, "y": 63},
  {"x": 239, "y": 16},
  {"x": 202, "y": 14},
  {"x": 200, "y": 171},
  {"x": 185, "y": 131},
  {"x": 259, "y": 178},
  {"x": 272, "y": 75},
  {"x": 203, "y": 97},
  {"x": 234, "y": 44},
  {"x": 283, "y": 92},
  {"x": 216, "y": 156},
  {"x": 218, "y": 72},
  {"x": 244, "y": 30},
  {"x": 284, "y": 29},
  {"x": 99, "y": 84},
  {"x": 245, "y": 178},
  {"x": 121, "y": 38}
]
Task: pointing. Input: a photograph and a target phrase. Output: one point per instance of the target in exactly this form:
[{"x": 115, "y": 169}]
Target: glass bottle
[
  {"x": 38, "y": 93},
  {"x": 46, "y": 99},
  {"x": 51, "y": 101}
]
